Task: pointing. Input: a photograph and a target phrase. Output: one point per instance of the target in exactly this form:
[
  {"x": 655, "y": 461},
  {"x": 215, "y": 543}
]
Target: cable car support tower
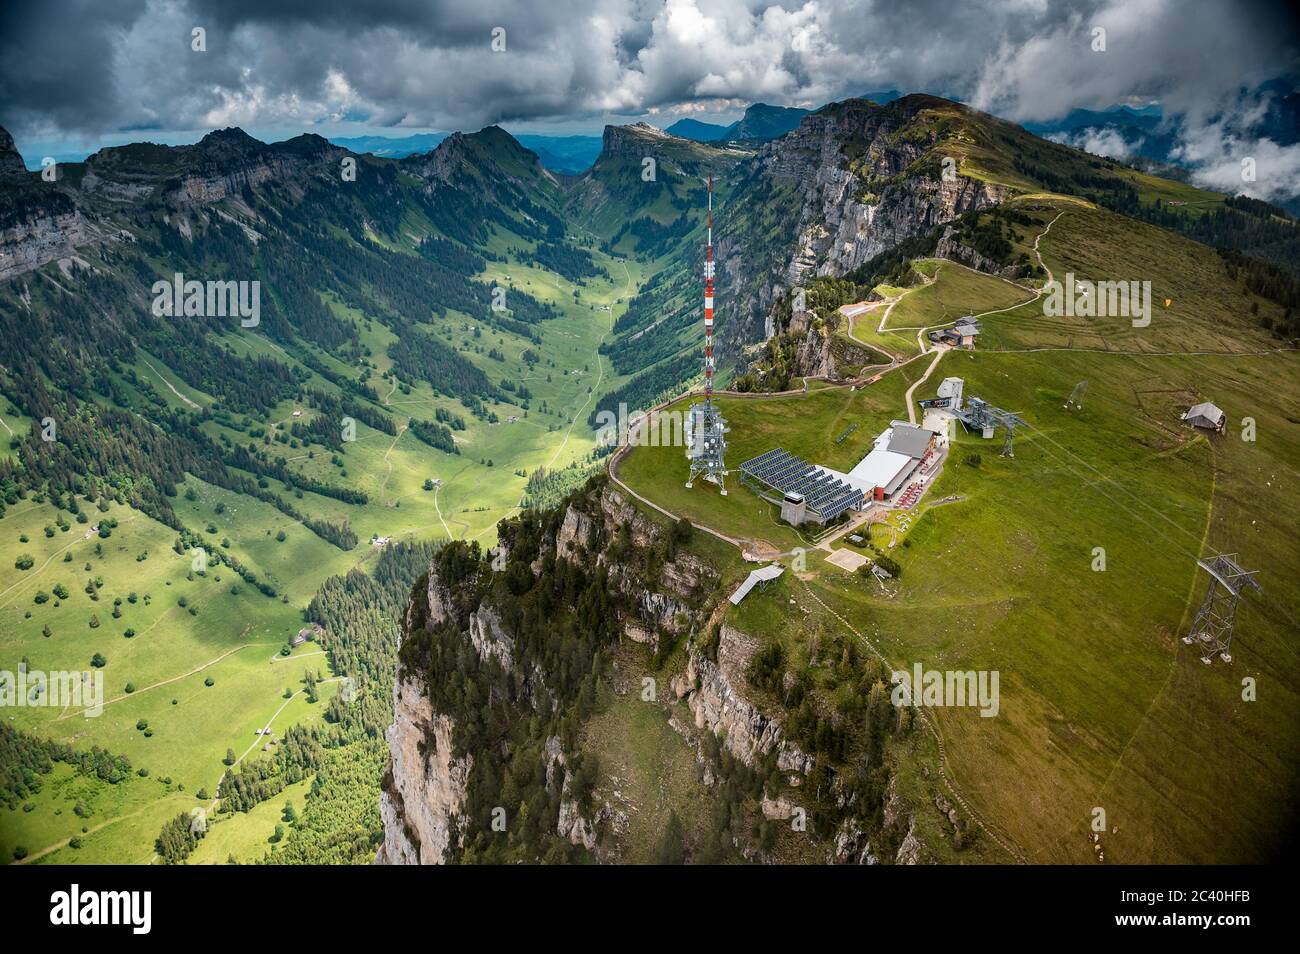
[{"x": 1211, "y": 630}]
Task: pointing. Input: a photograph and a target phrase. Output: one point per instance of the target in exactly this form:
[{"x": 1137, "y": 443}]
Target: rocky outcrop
[
  {"x": 573, "y": 826},
  {"x": 575, "y": 531},
  {"x": 909, "y": 852},
  {"x": 949, "y": 248},
  {"x": 44, "y": 235},
  {"x": 851, "y": 846},
  {"x": 670, "y": 604},
  {"x": 713, "y": 692},
  {"x": 11, "y": 163},
  {"x": 852, "y": 181},
  {"x": 777, "y": 808},
  {"x": 822, "y": 352},
  {"x": 489, "y": 639},
  {"x": 635, "y": 141},
  {"x": 813, "y": 356},
  {"x": 424, "y": 789}
]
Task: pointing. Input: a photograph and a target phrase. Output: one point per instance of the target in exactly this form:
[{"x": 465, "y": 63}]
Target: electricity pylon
[{"x": 1212, "y": 627}]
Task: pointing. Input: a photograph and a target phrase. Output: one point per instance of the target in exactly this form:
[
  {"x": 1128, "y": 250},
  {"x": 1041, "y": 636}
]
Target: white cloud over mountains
[{"x": 86, "y": 67}]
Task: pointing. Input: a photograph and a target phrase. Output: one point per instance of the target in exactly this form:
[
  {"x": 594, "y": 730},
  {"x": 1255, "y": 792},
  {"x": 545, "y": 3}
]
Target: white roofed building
[
  {"x": 898, "y": 453},
  {"x": 1205, "y": 415}
]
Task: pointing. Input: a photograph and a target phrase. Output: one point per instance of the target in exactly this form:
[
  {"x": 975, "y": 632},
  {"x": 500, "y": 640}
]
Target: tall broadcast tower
[{"x": 705, "y": 428}]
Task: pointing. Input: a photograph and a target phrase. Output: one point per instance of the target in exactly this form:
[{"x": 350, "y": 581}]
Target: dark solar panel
[{"x": 784, "y": 472}]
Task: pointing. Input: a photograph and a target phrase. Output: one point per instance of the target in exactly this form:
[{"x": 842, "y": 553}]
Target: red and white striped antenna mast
[
  {"x": 707, "y": 442},
  {"x": 708, "y": 306}
]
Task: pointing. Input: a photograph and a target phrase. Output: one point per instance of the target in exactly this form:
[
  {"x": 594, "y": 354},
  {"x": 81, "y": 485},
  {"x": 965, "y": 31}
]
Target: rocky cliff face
[
  {"x": 864, "y": 191},
  {"x": 44, "y": 221},
  {"x": 48, "y": 232},
  {"x": 38, "y": 221},
  {"x": 219, "y": 166},
  {"x": 855, "y": 179},
  {"x": 718, "y": 695},
  {"x": 424, "y": 788},
  {"x": 820, "y": 352},
  {"x": 428, "y": 781},
  {"x": 715, "y": 692},
  {"x": 948, "y": 247},
  {"x": 656, "y": 591},
  {"x": 11, "y": 163}
]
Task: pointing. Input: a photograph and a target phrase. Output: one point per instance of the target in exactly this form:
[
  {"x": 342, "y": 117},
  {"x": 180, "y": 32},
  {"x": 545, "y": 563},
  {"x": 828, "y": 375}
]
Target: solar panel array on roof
[{"x": 825, "y": 493}]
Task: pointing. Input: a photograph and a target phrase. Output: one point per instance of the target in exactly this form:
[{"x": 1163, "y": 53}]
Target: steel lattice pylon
[
  {"x": 980, "y": 415},
  {"x": 1075, "y": 400},
  {"x": 706, "y": 443},
  {"x": 1212, "y": 628}
]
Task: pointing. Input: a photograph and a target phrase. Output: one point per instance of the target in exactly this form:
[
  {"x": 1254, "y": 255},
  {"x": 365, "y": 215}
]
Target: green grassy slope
[
  {"x": 227, "y": 630},
  {"x": 1102, "y": 705}
]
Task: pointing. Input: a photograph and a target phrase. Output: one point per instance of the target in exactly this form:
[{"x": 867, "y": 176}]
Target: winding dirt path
[
  {"x": 32, "y": 577},
  {"x": 132, "y": 695},
  {"x": 383, "y": 485},
  {"x": 102, "y": 825},
  {"x": 437, "y": 490}
]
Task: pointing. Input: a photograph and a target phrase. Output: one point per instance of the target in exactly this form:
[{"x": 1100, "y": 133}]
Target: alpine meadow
[{"x": 750, "y": 433}]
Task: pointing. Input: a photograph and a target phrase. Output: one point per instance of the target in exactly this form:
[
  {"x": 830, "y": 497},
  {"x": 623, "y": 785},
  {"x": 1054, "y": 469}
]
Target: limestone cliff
[
  {"x": 497, "y": 680},
  {"x": 865, "y": 187},
  {"x": 45, "y": 221},
  {"x": 715, "y": 692},
  {"x": 461, "y": 625},
  {"x": 852, "y": 181},
  {"x": 424, "y": 788}
]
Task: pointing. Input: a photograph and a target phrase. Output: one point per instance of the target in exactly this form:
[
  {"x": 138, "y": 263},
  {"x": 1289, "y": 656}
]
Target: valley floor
[{"x": 193, "y": 654}]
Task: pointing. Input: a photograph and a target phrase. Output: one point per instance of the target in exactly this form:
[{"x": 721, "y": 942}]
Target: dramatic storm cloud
[{"x": 79, "y": 67}]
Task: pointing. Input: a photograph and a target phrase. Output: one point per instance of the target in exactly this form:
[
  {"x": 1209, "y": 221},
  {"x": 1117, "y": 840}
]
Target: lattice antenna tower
[{"x": 706, "y": 429}]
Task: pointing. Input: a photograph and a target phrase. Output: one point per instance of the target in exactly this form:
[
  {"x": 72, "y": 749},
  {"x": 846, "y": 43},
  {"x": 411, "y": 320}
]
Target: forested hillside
[{"x": 245, "y": 387}]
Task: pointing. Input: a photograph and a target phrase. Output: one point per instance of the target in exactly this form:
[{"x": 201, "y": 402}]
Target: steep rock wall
[{"x": 426, "y": 786}]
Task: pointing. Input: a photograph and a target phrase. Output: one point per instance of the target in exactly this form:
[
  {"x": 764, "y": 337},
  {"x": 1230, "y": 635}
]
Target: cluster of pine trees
[
  {"x": 25, "y": 759},
  {"x": 178, "y": 838}
]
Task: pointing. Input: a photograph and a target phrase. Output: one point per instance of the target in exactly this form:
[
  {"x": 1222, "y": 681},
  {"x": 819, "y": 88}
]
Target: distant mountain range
[
  {"x": 1146, "y": 133},
  {"x": 760, "y": 121},
  {"x": 569, "y": 155},
  {"x": 1118, "y": 132},
  {"x": 391, "y": 147}
]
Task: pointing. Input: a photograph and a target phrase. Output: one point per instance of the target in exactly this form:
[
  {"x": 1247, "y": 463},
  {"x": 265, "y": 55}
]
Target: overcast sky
[{"x": 90, "y": 71}]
